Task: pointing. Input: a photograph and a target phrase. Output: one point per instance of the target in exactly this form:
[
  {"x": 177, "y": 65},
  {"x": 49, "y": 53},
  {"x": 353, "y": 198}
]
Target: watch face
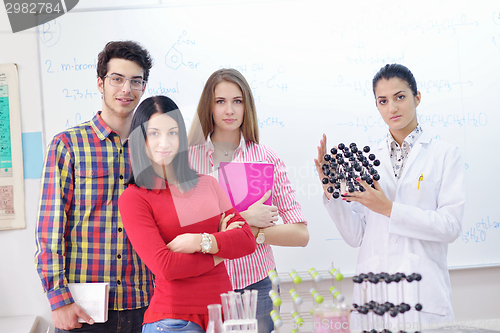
[
  {"x": 260, "y": 238},
  {"x": 205, "y": 246}
]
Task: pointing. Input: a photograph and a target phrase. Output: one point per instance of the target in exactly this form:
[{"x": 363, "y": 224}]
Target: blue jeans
[
  {"x": 126, "y": 321},
  {"x": 172, "y": 325},
  {"x": 264, "y": 304}
]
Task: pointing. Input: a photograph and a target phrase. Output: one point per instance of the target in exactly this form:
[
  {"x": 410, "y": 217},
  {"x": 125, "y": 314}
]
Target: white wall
[
  {"x": 475, "y": 291},
  {"x": 20, "y": 290}
]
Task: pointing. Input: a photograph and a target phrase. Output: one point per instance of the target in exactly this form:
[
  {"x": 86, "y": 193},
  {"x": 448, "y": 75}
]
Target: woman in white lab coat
[{"x": 406, "y": 222}]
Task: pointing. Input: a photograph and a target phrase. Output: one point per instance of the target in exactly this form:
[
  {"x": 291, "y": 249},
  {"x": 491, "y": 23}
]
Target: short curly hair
[{"x": 128, "y": 50}]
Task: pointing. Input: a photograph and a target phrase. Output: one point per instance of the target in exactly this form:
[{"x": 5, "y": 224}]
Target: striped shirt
[
  {"x": 79, "y": 235},
  {"x": 254, "y": 267}
]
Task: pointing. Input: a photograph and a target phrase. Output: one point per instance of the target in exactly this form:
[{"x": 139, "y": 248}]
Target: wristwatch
[
  {"x": 206, "y": 243},
  {"x": 261, "y": 237}
]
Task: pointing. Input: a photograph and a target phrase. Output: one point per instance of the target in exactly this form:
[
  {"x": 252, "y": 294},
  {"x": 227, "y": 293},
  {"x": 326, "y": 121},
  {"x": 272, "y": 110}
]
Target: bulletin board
[{"x": 11, "y": 158}]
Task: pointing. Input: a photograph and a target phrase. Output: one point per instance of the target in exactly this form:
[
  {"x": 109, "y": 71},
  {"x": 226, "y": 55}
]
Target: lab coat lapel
[
  {"x": 423, "y": 139},
  {"x": 385, "y": 170}
]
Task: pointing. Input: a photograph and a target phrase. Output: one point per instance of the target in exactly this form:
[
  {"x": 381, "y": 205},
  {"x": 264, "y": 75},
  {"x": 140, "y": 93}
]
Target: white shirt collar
[{"x": 210, "y": 145}]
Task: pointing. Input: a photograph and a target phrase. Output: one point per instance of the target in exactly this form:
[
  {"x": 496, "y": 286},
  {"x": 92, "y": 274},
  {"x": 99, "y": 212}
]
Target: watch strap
[{"x": 261, "y": 237}]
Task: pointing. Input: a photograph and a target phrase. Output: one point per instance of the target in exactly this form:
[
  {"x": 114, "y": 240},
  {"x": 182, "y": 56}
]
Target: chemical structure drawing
[{"x": 174, "y": 58}]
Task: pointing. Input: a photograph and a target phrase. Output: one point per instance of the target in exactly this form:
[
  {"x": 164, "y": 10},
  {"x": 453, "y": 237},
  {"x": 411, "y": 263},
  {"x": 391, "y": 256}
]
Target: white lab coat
[{"x": 425, "y": 217}]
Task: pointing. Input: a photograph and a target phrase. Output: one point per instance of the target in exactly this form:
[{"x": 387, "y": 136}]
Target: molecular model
[
  {"x": 319, "y": 312},
  {"x": 374, "y": 301},
  {"x": 345, "y": 165}
]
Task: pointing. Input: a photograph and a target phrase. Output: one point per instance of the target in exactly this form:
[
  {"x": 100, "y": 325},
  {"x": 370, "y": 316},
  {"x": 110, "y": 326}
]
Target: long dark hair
[{"x": 142, "y": 173}]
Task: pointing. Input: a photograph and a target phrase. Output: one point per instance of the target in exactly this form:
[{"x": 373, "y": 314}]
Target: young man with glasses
[{"x": 80, "y": 236}]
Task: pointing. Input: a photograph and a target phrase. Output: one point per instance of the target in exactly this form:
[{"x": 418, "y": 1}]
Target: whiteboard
[{"x": 310, "y": 66}]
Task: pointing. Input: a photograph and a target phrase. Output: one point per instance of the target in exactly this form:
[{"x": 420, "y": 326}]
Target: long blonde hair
[{"x": 204, "y": 124}]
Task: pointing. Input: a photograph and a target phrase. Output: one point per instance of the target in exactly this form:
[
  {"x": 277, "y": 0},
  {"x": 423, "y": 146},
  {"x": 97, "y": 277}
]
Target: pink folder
[{"x": 245, "y": 183}]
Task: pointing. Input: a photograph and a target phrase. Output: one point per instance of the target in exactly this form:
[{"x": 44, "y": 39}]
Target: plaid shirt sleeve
[{"x": 55, "y": 201}]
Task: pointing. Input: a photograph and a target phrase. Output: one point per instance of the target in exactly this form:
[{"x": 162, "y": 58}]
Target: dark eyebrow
[
  {"x": 133, "y": 77},
  {"x": 399, "y": 92},
  {"x": 157, "y": 129}
]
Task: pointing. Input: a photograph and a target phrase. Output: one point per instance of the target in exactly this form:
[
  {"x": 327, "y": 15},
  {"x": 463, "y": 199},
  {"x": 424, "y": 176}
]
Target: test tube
[
  {"x": 232, "y": 305},
  {"x": 240, "y": 310},
  {"x": 225, "y": 307},
  {"x": 239, "y": 306},
  {"x": 253, "y": 303},
  {"x": 247, "y": 294}
]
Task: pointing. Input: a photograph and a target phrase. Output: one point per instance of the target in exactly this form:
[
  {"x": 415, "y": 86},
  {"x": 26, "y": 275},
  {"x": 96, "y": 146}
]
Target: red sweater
[{"x": 184, "y": 283}]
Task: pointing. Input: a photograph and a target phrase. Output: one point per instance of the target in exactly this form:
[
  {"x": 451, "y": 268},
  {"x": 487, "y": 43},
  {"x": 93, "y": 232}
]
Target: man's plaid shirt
[{"x": 80, "y": 235}]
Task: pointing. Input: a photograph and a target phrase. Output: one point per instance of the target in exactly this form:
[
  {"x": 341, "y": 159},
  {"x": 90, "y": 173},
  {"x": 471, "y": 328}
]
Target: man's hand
[{"x": 66, "y": 317}]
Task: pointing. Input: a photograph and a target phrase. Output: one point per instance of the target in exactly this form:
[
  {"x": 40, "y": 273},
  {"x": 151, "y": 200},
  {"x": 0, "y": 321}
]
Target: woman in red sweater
[{"x": 176, "y": 221}]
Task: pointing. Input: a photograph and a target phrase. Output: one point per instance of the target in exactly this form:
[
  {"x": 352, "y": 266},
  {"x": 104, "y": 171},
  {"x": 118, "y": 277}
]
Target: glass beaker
[
  {"x": 214, "y": 319},
  {"x": 331, "y": 319}
]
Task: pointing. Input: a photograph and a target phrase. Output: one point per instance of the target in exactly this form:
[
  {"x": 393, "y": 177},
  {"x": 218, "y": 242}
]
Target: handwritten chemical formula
[
  {"x": 445, "y": 26},
  {"x": 365, "y": 88},
  {"x": 478, "y": 233},
  {"x": 175, "y": 58},
  {"x": 495, "y": 39},
  {"x": 52, "y": 67},
  {"x": 470, "y": 119},
  {"x": 262, "y": 80},
  {"x": 273, "y": 122},
  {"x": 454, "y": 120},
  {"x": 78, "y": 94}
]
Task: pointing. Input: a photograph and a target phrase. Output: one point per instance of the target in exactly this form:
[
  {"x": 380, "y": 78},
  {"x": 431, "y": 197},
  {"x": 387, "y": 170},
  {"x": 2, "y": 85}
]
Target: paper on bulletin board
[{"x": 11, "y": 159}]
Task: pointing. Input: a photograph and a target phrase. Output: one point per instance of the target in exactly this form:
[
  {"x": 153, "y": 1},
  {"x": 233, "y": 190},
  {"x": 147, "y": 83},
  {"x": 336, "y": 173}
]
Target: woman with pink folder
[{"x": 227, "y": 131}]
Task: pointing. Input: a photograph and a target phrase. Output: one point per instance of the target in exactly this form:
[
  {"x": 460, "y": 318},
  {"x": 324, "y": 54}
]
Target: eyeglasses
[{"x": 119, "y": 81}]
